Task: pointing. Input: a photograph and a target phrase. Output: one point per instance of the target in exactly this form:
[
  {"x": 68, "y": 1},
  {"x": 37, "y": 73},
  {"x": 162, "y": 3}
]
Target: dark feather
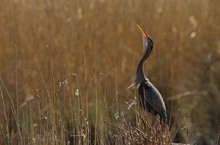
[{"x": 151, "y": 100}]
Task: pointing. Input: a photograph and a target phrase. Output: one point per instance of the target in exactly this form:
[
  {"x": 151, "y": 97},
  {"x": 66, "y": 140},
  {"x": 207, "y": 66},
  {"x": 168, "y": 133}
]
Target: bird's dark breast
[
  {"x": 142, "y": 100},
  {"x": 151, "y": 100}
]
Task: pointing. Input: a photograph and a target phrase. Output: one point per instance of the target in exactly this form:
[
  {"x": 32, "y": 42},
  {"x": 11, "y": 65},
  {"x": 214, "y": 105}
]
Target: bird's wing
[{"x": 154, "y": 98}]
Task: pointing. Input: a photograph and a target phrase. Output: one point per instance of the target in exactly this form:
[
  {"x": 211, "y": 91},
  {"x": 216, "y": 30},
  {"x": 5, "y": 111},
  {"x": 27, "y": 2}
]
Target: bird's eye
[{"x": 145, "y": 36}]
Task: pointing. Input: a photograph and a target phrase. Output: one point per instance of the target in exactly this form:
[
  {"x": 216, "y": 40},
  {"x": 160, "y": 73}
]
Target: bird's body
[
  {"x": 149, "y": 97},
  {"x": 151, "y": 100}
]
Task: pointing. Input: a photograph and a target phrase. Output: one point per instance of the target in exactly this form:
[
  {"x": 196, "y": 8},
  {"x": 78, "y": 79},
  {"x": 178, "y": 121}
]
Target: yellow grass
[{"x": 65, "y": 67}]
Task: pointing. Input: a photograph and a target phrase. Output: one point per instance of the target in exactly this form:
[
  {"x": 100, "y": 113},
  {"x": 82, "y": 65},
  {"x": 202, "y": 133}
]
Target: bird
[{"x": 149, "y": 97}]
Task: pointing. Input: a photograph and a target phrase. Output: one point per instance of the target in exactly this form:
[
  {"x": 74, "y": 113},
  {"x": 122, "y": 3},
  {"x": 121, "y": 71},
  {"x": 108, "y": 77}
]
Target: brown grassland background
[{"x": 65, "y": 66}]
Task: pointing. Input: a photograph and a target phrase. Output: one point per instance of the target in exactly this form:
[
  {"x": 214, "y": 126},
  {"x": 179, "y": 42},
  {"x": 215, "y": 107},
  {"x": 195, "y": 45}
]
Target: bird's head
[{"x": 147, "y": 43}]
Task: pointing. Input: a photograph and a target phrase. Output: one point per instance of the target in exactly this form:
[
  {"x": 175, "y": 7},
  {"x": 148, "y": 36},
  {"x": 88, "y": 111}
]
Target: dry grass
[{"x": 65, "y": 67}]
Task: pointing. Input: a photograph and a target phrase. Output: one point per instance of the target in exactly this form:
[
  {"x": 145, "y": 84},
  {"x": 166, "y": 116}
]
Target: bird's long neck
[{"x": 140, "y": 77}]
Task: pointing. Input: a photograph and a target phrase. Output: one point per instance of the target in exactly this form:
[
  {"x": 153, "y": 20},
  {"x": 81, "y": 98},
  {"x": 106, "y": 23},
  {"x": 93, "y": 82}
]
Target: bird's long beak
[{"x": 143, "y": 33}]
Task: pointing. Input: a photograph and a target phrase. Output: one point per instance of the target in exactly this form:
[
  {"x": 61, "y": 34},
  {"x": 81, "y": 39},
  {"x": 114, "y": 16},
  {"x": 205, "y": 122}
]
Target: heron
[{"x": 149, "y": 97}]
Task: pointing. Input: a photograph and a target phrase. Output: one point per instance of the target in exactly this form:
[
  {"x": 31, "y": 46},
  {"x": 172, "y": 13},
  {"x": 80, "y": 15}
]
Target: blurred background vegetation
[{"x": 43, "y": 42}]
